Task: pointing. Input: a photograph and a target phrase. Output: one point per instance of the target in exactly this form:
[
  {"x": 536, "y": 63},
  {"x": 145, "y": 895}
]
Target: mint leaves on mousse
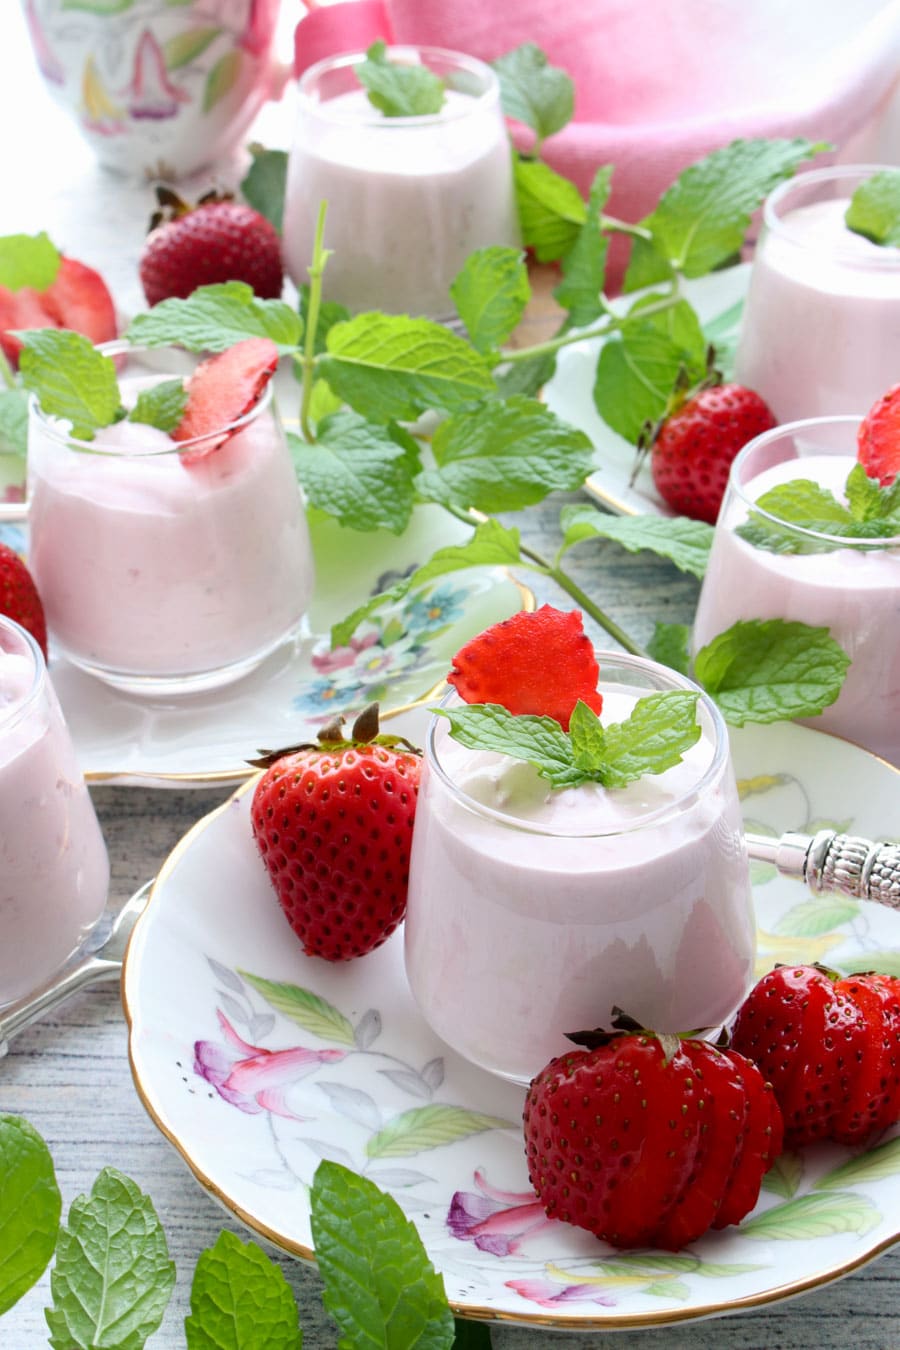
[
  {"x": 660, "y": 728},
  {"x": 874, "y": 209},
  {"x": 872, "y": 512},
  {"x": 399, "y": 88}
]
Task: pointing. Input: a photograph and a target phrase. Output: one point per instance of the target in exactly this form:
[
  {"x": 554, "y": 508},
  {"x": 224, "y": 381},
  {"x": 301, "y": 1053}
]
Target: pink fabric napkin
[{"x": 659, "y": 83}]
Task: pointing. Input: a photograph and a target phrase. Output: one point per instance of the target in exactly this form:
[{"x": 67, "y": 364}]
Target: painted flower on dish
[
  {"x": 339, "y": 658},
  {"x": 425, "y": 613},
  {"x": 252, "y": 1078},
  {"x": 550, "y": 1295},
  {"x": 99, "y": 111},
  {"x": 496, "y": 1221}
]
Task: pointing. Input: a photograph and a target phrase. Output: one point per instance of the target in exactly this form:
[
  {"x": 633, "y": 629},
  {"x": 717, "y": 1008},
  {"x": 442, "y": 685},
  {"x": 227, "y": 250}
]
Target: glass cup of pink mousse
[
  {"x": 849, "y": 586},
  {"x": 163, "y": 570},
  {"x": 821, "y": 328},
  {"x": 54, "y": 870},
  {"x": 409, "y": 198},
  {"x": 534, "y": 912}
]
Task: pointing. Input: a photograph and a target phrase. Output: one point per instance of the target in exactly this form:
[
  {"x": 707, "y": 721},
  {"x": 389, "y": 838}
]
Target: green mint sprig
[
  {"x": 112, "y": 1279},
  {"x": 264, "y": 185},
  {"x": 13, "y": 422},
  {"x": 28, "y": 260},
  {"x": 397, "y": 88},
  {"x": 214, "y": 318},
  {"x": 874, "y": 209},
  {"x": 161, "y": 406},
  {"x": 533, "y": 92},
  {"x": 71, "y": 379},
  {"x": 872, "y": 512},
  {"x": 660, "y": 728}
]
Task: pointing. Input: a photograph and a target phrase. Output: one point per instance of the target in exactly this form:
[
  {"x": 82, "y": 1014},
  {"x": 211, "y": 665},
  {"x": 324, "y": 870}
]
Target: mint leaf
[
  {"x": 471, "y": 1335},
  {"x": 390, "y": 367},
  {"x": 770, "y": 670},
  {"x": 214, "y": 318},
  {"x": 380, "y": 1286},
  {"x": 670, "y": 646},
  {"x": 264, "y": 183},
  {"x": 874, "y": 209},
  {"x": 240, "y": 1298},
  {"x": 654, "y": 737},
  {"x": 13, "y": 422},
  {"x": 113, "y": 1278},
  {"x": 29, "y": 1208},
  {"x": 491, "y": 545},
  {"x": 528, "y": 376},
  {"x": 161, "y": 406},
  {"x": 500, "y": 456},
  {"x": 70, "y": 378},
  {"x": 638, "y": 370},
  {"x": 322, "y": 401},
  {"x": 490, "y": 294},
  {"x": 539, "y": 741},
  {"x": 357, "y": 471},
  {"x": 398, "y": 89},
  {"x": 584, "y": 266},
  {"x": 551, "y": 209},
  {"x": 806, "y": 505},
  {"x": 533, "y": 92},
  {"x": 330, "y": 313},
  {"x": 684, "y": 542},
  {"x": 28, "y": 260},
  {"x": 701, "y": 220}
]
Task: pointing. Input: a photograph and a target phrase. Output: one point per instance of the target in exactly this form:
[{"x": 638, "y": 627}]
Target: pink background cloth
[{"x": 659, "y": 83}]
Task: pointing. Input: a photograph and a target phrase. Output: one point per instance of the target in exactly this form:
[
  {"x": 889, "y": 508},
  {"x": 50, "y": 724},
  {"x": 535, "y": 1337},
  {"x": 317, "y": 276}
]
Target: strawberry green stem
[
  {"x": 316, "y": 268},
  {"x": 610, "y": 325}
]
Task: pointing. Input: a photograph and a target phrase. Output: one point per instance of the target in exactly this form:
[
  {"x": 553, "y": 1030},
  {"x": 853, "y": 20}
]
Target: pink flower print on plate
[
  {"x": 252, "y": 1078},
  {"x": 150, "y": 93}
]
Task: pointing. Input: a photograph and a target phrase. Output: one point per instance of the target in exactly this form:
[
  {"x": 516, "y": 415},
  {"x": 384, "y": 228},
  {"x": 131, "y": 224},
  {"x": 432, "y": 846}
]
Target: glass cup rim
[
  {"x": 608, "y": 660},
  {"x": 18, "y": 711},
  {"x": 472, "y": 64},
  {"x": 791, "y": 429},
  {"x": 883, "y": 258},
  {"x": 119, "y": 348}
]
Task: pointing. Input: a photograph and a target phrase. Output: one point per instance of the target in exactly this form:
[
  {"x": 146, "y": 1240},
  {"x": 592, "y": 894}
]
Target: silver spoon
[{"x": 102, "y": 960}]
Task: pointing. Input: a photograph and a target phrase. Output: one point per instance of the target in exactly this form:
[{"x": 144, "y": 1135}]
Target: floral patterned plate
[
  {"x": 718, "y": 299},
  {"x": 257, "y": 1061},
  {"x": 398, "y": 658}
]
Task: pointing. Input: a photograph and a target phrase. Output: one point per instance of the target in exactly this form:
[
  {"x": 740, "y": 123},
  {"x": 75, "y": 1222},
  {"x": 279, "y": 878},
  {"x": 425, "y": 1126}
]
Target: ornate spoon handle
[{"x": 829, "y": 861}]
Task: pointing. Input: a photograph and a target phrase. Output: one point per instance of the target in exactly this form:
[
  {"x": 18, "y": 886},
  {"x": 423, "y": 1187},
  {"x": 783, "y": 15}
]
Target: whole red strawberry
[
  {"x": 540, "y": 663},
  {"x": 217, "y": 240},
  {"x": 334, "y": 823},
  {"x": 648, "y": 1141},
  {"x": 19, "y": 598},
  {"x": 694, "y": 447},
  {"x": 878, "y": 438},
  {"x": 77, "y": 298},
  {"x": 830, "y": 1047}
]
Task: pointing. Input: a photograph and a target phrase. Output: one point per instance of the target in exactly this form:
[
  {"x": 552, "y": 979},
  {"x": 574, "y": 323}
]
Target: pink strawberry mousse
[
  {"x": 853, "y": 591},
  {"x": 408, "y": 198},
  {"x": 534, "y": 911},
  {"x": 821, "y": 331},
  {"x": 149, "y": 566},
  {"x": 54, "y": 872}
]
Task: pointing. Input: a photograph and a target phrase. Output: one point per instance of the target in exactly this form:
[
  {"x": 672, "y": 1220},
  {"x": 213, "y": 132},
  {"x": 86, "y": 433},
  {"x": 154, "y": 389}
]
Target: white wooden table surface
[{"x": 69, "y": 1075}]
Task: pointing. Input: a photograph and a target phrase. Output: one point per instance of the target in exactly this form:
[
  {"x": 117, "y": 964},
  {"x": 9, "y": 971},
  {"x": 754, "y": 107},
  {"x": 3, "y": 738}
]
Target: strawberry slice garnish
[
  {"x": 878, "y": 438},
  {"x": 221, "y": 391},
  {"x": 540, "y": 663},
  {"x": 77, "y": 298}
]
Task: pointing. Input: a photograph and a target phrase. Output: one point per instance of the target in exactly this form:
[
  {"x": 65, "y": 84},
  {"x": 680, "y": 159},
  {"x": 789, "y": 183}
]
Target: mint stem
[
  {"x": 540, "y": 564},
  {"x": 6, "y": 371},
  {"x": 316, "y": 268},
  {"x": 610, "y": 326},
  {"x": 623, "y": 227}
]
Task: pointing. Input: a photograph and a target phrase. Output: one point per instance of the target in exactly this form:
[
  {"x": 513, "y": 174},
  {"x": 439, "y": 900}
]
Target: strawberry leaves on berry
[
  {"x": 653, "y": 738},
  {"x": 821, "y": 521},
  {"x": 874, "y": 209},
  {"x": 399, "y": 88}
]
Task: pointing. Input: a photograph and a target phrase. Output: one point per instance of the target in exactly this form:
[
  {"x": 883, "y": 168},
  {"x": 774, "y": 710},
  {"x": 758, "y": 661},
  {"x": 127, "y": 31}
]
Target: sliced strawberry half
[
  {"x": 221, "y": 391},
  {"x": 540, "y": 663},
  {"x": 878, "y": 438},
  {"x": 20, "y": 309},
  {"x": 78, "y": 298}
]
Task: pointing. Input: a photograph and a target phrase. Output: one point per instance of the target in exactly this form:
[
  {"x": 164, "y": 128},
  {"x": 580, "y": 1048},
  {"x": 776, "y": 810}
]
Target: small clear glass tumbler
[{"x": 54, "y": 870}]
